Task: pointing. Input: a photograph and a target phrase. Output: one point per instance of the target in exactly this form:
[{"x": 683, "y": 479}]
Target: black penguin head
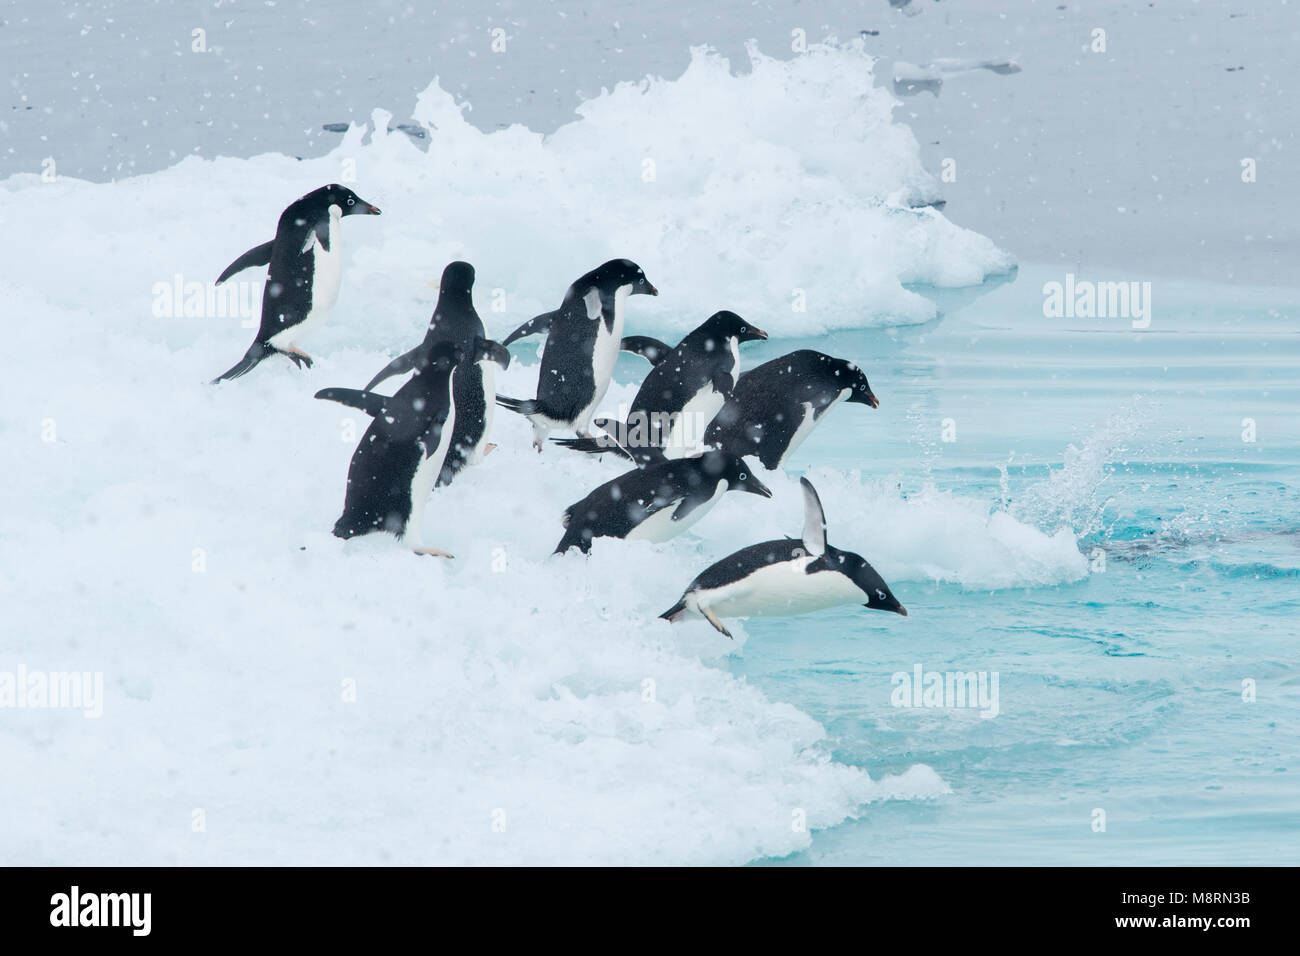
[
  {"x": 736, "y": 472},
  {"x": 848, "y": 375},
  {"x": 855, "y": 567},
  {"x": 727, "y": 325},
  {"x": 349, "y": 203},
  {"x": 613, "y": 275},
  {"x": 457, "y": 277}
]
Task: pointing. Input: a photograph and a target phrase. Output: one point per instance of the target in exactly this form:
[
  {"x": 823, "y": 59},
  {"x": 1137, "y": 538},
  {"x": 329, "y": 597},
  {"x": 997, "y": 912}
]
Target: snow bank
[{"x": 786, "y": 188}]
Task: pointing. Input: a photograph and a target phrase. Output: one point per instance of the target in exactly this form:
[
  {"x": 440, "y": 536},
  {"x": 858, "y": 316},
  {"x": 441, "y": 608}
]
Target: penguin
[
  {"x": 399, "y": 458},
  {"x": 775, "y": 406},
  {"x": 683, "y": 392},
  {"x": 306, "y": 267},
  {"x": 657, "y": 502},
  {"x": 455, "y": 320},
  {"x": 583, "y": 339},
  {"x": 784, "y": 577}
]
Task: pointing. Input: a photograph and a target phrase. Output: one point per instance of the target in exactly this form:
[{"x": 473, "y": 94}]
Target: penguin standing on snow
[
  {"x": 583, "y": 339},
  {"x": 657, "y": 502},
  {"x": 455, "y": 320},
  {"x": 306, "y": 267},
  {"x": 776, "y": 405},
  {"x": 402, "y": 453},
  {"x": 683, "y": 392},
  {"x": 784, "y": 577}
]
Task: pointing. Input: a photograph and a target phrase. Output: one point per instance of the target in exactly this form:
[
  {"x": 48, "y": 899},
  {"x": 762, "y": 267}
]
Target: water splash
[{"x": 1073, "y": 496}]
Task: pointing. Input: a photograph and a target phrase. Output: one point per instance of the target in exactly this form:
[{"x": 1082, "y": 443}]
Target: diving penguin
[
  {"x": 657, "y": 502},
  {"x": 785, "y": 576},
  {"x": 776, "y": 405}
]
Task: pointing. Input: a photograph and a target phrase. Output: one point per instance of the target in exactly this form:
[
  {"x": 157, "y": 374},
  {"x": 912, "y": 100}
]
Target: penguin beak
[
  {"x": 758, "y": 488},
  {"x": 897, "y": 610},
  {"x": 652, "y": 290},
  {"x": 758, "y": 335},
  {"x": 371, "y": 210},
  {"x": 874, "y": 403}
]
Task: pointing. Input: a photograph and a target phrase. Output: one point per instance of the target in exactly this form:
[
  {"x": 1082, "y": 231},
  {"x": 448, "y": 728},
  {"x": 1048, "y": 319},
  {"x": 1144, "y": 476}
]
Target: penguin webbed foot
[
  {"x": 300, "y": 359},
  {"x": 433, "y": 553},
  {"x": 713, "y": 619}
]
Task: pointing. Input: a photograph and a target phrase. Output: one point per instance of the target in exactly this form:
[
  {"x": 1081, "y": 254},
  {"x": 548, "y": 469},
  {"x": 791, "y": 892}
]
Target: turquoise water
[{"x": 1120, "y": 692}]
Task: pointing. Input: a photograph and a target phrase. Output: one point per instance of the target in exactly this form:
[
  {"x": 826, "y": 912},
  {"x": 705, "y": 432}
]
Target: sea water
[{"x": 1149, "y": 711}]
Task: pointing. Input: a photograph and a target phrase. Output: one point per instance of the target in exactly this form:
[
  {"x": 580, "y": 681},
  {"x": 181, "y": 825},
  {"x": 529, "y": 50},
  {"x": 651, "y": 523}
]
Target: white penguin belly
[
  {"x": 777, "y": 590},
  {"x": 688, "y": 428},
  {"x": 327, "y": 277},
  {"x": 604, "y": 356},
  {"x": 810, "y": 420},
  {"x": 660, "y": 526},
  {"x": 425, "y": 477}
]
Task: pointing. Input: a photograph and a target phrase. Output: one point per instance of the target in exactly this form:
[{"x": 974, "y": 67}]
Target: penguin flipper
[
  {"x": 524, "y": 406},
  {"x": 256, "y": 256},
  {"x": 398, "y": 366},
  {"x": 538, "y": 323},
  {"x": 256, "y": 352},
  {"x": 690, "y": 503},
  {"x": 485, "y": 348},
  {"x": 652, "y": 350},
  {"x": 369, "y": 402},
  {"x": 814, "y": 520}
]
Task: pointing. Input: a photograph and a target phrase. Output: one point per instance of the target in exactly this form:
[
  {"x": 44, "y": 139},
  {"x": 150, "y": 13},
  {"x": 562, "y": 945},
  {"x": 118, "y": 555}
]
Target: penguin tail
[
  {"x": 524, "y": 406},
  {"x": 255, "y": 354},
  {"x": 573, "y": 538},
  {"x": 676, "y": 612},
  {"x": 353, "y": 525},
  {"x": 566, "y": 543},
  {"x": 591, "y": 446},
  {"x": 344, "y": 529}
]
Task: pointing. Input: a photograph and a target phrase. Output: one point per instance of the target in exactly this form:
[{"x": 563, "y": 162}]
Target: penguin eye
[
  {"x": 880, "y": 594},
  {"x": 351, "y": 201},
  {"x": 743, "y": 476}
]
